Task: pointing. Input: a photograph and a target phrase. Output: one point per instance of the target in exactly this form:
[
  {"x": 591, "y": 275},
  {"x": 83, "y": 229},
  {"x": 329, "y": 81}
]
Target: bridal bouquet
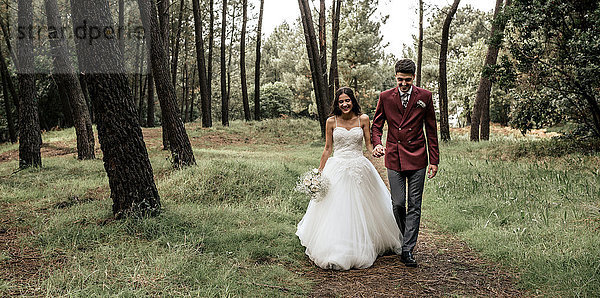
[{"x": 313, "y": 184}]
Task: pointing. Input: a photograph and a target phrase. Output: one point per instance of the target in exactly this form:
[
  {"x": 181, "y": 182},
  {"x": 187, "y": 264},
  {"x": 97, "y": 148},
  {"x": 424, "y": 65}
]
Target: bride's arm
[
  {"x": 366, "y": 127},
  {"x": 328, "y": 142}
]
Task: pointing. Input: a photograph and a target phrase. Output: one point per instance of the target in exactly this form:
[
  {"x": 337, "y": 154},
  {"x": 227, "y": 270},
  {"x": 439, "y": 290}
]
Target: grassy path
[{"x": 227, "y": 227}]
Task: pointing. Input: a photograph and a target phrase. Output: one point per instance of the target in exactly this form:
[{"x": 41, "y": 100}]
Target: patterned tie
[{"x": 404, "y": 98}]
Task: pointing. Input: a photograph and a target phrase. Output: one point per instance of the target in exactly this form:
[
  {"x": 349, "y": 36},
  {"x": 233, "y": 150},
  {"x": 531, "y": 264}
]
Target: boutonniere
[{"x": 421, "y": 104}]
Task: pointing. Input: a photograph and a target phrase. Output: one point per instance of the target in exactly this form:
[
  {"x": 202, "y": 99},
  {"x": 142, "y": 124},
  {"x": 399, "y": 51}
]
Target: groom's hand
[
  {"x": 378, "y": 151},
  {"x": 432, "y": 171}
]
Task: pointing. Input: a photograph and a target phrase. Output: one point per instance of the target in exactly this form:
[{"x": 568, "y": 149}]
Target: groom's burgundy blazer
[{"x": 406, "y": 147}]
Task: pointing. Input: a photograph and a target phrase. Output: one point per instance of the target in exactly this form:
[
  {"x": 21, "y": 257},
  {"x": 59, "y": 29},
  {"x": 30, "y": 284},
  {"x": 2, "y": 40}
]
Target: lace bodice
[{"x": 347, "y": 142}]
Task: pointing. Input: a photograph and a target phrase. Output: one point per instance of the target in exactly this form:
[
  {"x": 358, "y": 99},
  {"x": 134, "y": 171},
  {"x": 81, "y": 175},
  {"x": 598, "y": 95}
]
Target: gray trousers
[{"x": 408, "y": 217}]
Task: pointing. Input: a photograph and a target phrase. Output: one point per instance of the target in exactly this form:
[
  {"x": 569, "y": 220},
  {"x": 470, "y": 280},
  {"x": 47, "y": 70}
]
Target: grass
[
  {"x": 539, "y": 215},
  {"x": 227, "y": 226}
]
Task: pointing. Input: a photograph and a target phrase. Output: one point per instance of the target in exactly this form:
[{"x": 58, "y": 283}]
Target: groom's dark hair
[{"x": 405, "y": 66}]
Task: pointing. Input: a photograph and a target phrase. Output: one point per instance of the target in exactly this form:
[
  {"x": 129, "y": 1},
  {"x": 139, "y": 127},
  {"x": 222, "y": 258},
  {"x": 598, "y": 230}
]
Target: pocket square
[{"x": 421, "y": 104}]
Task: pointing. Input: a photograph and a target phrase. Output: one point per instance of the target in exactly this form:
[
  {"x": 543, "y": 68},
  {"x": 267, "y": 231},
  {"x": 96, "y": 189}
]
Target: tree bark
[
  {"x": 66, "y": 78},
  {"x": 12, "y": 131},
  {"x": 224, "y": 95},
  {"x": 205, "y": 98},
  {"x": 323, "y": 53},
  {"x": 125, "y": 157},
  {"x": 420, "y": 45},
  {"x": 245, "y": 100},
  {"x": 121, "y": 26},
  {"x": 480, "y": 118},
  {"x": 11, "y": 51},
  {"x": 193, "y": 88},
  {"x": 175, "y": 58},
  {"x": 334, "y": 80},
  {"x": 257, "y": 63},
  {"x": 443, "y": 80},
  {"x": 314, "y": 60},
  {"x": 30, "y": 138},
  {"x": 181, "y": 149},
  {"x": 209, "y": 66},
  {"x": 9, "y": 82},
  {"x": 150, "y": 101}
]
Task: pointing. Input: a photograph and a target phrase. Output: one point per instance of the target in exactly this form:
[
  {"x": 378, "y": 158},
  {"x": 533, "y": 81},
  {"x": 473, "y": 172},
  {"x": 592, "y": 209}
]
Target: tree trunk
[
  {"x": 245, "y": 101},
  {"x": 205, "y": 106},
  {"x": 66, "y": 78},
  {"x": 150, "y": 101},
  {"x": 314, "y": 60},
  {"x": 209, "y": 66},
  {"x": 480, "y": 118},
  {"x": 334, "y": 80},
  {"x": 12, "y": 132},
  {"x": 185, "y": 91},
  {"x": 224, "y": 95},
  {"x": 257, "y": 63},
  {"x": 323, "y": 54},
  {"x": 181, "y": 149},
  {"x": 30, "y": 138},
  {"x": 443, "y": 80},
  {"x": 11, "y": 51},
  {"x": 420, "y": 45},
  {"x": 9, "y": 82},
  {"x": 121, "y": 26},
  {"x": 125, "y": 157},
  {"x": 193, "y": 88},
  {"x": 175, "y": 58}
]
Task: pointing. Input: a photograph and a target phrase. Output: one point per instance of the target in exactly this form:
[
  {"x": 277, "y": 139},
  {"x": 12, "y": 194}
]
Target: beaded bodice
[{"x": 347, "y": 142}]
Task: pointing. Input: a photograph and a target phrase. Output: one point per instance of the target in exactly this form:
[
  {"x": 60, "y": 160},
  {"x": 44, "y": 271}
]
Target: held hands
[
  {"x": 378, "y": 151},
  {"x": 433, "y": 169}
]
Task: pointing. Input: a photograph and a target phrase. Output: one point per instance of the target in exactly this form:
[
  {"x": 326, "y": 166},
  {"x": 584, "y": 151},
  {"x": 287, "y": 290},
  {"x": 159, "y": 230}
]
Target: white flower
[
  {"x": 315, "y": 171},
  {"x": 421, "y": 104}
]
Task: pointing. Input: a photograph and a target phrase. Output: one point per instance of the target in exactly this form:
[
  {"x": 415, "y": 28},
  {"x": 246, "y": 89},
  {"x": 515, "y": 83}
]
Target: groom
[{"x": 407, "y": 108}]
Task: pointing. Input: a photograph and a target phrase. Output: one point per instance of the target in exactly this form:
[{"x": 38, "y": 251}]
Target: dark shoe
[{"x": 408, "y": 259}]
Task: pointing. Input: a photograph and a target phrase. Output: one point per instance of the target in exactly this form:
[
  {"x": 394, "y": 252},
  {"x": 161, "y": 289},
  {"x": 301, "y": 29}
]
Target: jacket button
[
  {"x": 410, "y": 129},
  {"x": 409, "y": 142},
  {"x": 400, "y": 128}
]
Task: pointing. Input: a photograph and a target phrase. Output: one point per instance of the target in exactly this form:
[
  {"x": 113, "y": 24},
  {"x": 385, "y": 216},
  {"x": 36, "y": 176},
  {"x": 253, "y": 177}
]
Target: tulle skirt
[{"x": 354, "y": 223}]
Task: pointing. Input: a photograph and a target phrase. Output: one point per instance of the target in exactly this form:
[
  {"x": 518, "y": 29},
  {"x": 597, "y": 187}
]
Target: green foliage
[
  {"x": 275, "y": 100},
  {"x": 556, "y": 46}
]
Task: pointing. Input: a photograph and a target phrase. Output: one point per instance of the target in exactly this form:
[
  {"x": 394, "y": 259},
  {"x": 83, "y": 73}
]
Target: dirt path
[{"x": 447, "y": 267}]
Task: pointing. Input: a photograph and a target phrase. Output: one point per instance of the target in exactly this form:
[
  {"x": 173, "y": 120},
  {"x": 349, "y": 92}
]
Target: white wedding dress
[{"x": 354, "y": 223}]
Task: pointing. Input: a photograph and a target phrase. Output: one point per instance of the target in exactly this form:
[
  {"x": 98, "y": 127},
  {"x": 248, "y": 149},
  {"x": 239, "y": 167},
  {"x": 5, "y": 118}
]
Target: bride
[{"x": 354, "y": 223}]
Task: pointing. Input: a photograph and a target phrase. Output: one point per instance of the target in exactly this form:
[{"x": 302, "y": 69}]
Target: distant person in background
[
  {"x": 408, "y": 151},
  {"x": 353, "y": 223}
]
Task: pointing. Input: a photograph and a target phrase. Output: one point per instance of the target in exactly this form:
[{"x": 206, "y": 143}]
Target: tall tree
[
  {"x": 12, "y": 131},
  {"x": 9, "y": 82},
  {"x": 480, "y": 118},
  {"x": 245, "y": 102},
  {"x": 205, "y": 98},
  {"x": 211, "y": 48},
  {"x": 443, "y": 79},
  {"x": 316, "y": 65},
  {"x": 30, "y": 138},
  {"x": 257, "y": 63},
  {"x": 177, "y": 41},
  {"x": 420, "y": 45},
  {"x": 179, "y": 143},
  {"x": 125, "y": 157},
  {"x": 323, "y": 52},
  {"x": 121, "y": 26},
  {"x": 224, "y": 94},
  {"x": 65, "y": 77},
  {"x": 334, "y": 80}
]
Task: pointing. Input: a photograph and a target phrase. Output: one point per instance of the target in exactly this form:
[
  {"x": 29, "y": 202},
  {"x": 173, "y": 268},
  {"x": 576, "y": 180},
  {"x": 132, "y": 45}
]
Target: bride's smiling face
[{"x": 345, "y": 103}]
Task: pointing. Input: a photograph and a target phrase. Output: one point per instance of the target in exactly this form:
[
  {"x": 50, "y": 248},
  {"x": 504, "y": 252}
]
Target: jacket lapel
[
  {"x": 411, "y": 102},
  {"x": 397, "y": 101}
]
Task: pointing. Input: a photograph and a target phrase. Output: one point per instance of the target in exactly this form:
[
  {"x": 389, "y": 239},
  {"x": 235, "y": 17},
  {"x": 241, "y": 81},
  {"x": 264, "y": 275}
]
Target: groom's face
[{"x": 404, "y": 81}]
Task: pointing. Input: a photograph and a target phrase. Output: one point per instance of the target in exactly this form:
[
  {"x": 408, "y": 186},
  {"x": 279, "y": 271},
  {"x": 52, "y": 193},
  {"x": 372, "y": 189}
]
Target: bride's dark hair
[{"x": 335, "y": 107}]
